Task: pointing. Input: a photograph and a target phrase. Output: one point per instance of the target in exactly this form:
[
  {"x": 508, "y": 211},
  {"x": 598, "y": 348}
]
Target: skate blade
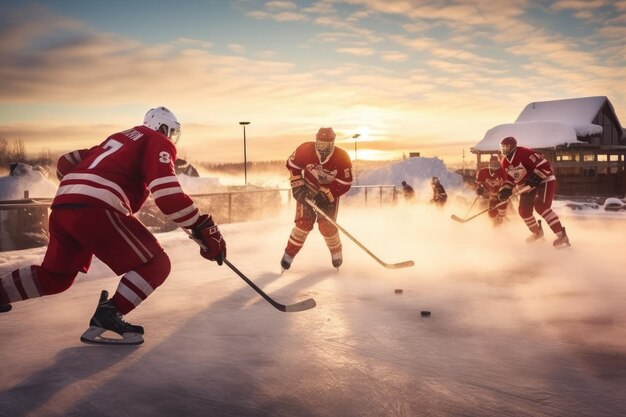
[{"x": 93, "y": 335}]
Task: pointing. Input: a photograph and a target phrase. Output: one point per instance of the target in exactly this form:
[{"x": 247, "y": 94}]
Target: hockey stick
[
  {"x": 522, "y": 190},
  {"x": 385, "y": 264},
  {"x": 286, "y": 308},
  {"x": 472, "y": 206}
]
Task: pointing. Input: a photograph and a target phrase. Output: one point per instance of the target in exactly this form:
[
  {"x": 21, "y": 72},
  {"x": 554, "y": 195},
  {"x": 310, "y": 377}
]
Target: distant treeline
[
  {"x": 237, "y": 168},
  {"x": 15, "y": 151}
]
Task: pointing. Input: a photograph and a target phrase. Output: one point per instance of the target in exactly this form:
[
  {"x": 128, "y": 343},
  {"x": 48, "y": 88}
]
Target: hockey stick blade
[
  {"x": 404, "y": 264},
  {"x": 458, "y": 219},
  {"x": 285, "y": 308}
]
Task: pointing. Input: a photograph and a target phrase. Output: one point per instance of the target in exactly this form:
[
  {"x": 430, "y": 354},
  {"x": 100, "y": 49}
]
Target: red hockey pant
[
  {"x": 540, "y": 199},
  {"x": 305, "y": 219}
]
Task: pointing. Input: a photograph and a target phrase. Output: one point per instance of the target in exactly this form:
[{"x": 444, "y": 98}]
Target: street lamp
[
  {"x": 355, "y": 137},
  {"x": 245, "y": 161}
]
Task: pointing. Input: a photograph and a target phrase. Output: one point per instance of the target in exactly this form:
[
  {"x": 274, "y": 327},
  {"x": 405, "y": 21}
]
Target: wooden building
[{"x": 581, "y": 137}]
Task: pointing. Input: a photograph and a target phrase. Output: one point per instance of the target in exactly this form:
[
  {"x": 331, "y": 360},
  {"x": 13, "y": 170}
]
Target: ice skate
[
  {"x": 561, "y": 241},
  {"x": 538, "y": 235},
  {"x": 108, "y": 318},
  {"x": 5, "y": 308},
  {"x": 337, "y": 259},
  {"x": 285, "y": 262}
]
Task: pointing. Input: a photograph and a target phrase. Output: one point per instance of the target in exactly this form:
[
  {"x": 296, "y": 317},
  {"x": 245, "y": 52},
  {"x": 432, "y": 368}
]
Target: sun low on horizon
[{"x": 405, "y": 76}]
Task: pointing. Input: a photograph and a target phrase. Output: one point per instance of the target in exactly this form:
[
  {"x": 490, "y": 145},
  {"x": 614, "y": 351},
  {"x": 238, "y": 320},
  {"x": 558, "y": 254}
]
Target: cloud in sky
[{"x": 420, "y": 75}]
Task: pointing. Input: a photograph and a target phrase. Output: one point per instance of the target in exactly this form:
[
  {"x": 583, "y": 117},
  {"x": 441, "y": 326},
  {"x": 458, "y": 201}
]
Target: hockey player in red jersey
[
  {"x": 489, "y": 180},
  {"x": 524, "y": 166},
  {"x": 321, "y": 172},
  {"x": 93, "y": 214}
]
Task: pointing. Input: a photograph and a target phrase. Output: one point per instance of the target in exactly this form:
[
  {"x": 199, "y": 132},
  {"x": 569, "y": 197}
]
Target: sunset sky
[{"x": 407, "y": 75}]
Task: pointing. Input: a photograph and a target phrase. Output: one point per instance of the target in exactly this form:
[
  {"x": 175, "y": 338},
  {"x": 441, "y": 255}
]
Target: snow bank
[
  {"x": 26, "y": 178},
  {"x": 417, "y": 172}
]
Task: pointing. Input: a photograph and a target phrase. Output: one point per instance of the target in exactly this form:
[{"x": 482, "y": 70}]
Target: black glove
[
  {"x": 299, "y": 189},
  {"x": 533, "y": 180},
  {"x": 324, "y": 198},
  {"x": 505, "y": 193},
  {"x": 480, "y": 190},
  {"x": 209, "y": 235}
]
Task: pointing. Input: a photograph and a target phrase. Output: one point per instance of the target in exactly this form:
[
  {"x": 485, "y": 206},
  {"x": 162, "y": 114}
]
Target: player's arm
[
  {"x": 299, "y": 187},
  {"x": 69, "y": 161},
  {"x": 343, "y": 180},
  {"x": 177, "y": 206},
  {"x": 538, "y": 169}
]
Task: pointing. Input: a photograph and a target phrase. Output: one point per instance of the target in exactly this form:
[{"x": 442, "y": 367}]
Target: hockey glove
[
  {"x": 505, "y": 193},
  {"x": 299, "y": 189},
  {"x": 324, "y": 198},
  {"x": 480, "y": 190},
  {"x": 209, "y": 235},
  {"x": 533, "y": 180}
]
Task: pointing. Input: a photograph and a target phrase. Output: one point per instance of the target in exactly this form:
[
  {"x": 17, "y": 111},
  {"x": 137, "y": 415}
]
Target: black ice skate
[
  {"x": 538, "y": 235},
  {"x": 337, "y": 259},
  {"x": 108, "y": 318},
  {"x": 285, "y": 262},
  {"x": 561, "y": 241},
  {"x": 5, "y": 308}
]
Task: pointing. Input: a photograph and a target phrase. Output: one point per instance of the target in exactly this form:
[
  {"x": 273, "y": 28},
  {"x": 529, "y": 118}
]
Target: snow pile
[
  {"x": 26, "y": 178},
  {"x": 417, "y": 172},
  {"x": 546, "y": 134}
]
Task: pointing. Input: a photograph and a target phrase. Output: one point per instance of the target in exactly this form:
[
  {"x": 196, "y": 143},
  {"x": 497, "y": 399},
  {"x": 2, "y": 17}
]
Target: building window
[
  {"x": 614, "y": 158},
  {"x": 603, "y": 158},
  {"x": 589, "y": 157},
  {"x": 566, "y": 157}
]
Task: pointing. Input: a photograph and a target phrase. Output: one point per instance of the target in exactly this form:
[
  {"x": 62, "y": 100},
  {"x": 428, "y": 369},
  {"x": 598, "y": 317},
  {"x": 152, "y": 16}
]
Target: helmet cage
[
  {"x": 325, "y": 142},
  {"x": 494, "y": 164},
  {"x": 508, "y": 145}
]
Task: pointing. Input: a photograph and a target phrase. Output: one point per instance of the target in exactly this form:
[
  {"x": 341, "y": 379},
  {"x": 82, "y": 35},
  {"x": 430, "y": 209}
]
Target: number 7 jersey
[{"x": 120, "y": 174}]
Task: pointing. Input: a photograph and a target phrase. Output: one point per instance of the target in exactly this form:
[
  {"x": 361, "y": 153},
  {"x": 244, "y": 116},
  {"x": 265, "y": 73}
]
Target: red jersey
[
  {"x": 491, "y": 182},
  {"x": 120, "y": 173},
  {"x": 335, "y": 173},
  {"x": 522, "y": 163}
]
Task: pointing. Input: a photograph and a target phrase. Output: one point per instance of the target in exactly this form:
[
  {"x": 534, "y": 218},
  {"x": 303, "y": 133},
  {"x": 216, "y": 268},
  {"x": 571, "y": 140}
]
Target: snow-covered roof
[
  {"x": 537, "y": 135},
  {"x": 547, "y": 124}
]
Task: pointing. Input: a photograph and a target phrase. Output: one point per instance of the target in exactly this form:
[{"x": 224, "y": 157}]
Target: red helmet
[
  {"x": 508, "y": 145},
  {"x": 494, "y": 163},
  {"x": 325, "y": 141}
]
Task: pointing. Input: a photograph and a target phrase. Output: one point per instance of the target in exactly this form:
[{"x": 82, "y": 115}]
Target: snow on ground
[{"x": 515, "y": 330}]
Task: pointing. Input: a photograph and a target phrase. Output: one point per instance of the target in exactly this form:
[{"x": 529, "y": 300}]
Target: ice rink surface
[{"x": 515, "y": 329}]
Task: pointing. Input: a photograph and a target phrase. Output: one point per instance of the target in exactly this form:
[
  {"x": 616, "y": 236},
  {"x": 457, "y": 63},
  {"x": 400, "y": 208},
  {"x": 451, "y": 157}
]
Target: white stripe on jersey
[
  {"x": 99, "y": 193},
  {"x": 167, "y": 191},
  {"x": 343, "y": 182},
  {"x": 98, "y": 180},
  {"x": 126, "y": 237},
  {"x": 291, "y": 164},
  {"x": 182, "y": 213},
  {"x": 163, "y": 180}
]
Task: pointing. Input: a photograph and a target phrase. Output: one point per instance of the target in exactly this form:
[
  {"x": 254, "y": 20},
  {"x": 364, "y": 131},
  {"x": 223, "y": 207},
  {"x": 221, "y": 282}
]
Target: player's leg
[
  {"x": 304, "y": 220},
  {"x": 526, "y": 204},
  {"x": 543, "y": 206},
  {"x": 331, "y": 234},
  {"x": 64, "y": 258}
]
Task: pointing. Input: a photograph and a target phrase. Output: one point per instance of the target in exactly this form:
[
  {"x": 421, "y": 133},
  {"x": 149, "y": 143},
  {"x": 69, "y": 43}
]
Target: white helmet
[
  {"x": 325, "y": 141},
  {"x": 162, "y": 117}
]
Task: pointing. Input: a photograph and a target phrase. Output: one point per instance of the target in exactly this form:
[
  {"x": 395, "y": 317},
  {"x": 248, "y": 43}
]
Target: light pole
[
  {"x": 355, "y": 137},
  {"x": 245, "y": 160}
]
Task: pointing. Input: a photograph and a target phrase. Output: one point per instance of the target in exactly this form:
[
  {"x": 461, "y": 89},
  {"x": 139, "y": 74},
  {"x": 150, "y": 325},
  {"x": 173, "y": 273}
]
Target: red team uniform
[
  {"x": 489, "y": 180},
  {"x": 323, "y": 177},
  {"x": 92, "y": 214},
  {"x": 524, "y": 166}
]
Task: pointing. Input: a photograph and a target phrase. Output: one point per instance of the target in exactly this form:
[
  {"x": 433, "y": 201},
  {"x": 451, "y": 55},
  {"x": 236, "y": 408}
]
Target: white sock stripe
[
  {"x": 296, "y": 243},
  {"x": 129, "y": 294},
  {"x": 28, "y": 282},
  {"x": 546, "y": 212},
  {"x": 552, "y": 222},
  {"x": 8, "y": 283},
  {"x": 126, "y": 237},
  {"x": 139, "y": 282}
]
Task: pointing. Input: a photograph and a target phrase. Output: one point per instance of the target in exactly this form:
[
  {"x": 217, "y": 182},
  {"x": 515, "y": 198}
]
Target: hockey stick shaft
[
  {"x": 522, "y": 190},
  {"x": 287, "y": 308},
  {"x": 359, "y": 244},
  {"x": 472, "y": 206}
]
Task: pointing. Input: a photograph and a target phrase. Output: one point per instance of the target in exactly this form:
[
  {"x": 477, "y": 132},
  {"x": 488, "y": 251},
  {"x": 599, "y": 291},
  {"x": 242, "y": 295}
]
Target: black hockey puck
[
  {"x": 425, "y": 313},
  {"x": 398, "y": 290}
]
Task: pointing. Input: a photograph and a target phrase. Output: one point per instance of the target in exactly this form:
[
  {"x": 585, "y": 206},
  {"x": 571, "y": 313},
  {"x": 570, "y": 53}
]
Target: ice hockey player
[
  {"x": 524, "y": 166},
  {"x": 407, "y": 191},
  {"x": 489, "y": 180},
  {"x": 439, "y": 193},
  {"x": 92, "y": 214},
  {"x": 321, "y": 172}
]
